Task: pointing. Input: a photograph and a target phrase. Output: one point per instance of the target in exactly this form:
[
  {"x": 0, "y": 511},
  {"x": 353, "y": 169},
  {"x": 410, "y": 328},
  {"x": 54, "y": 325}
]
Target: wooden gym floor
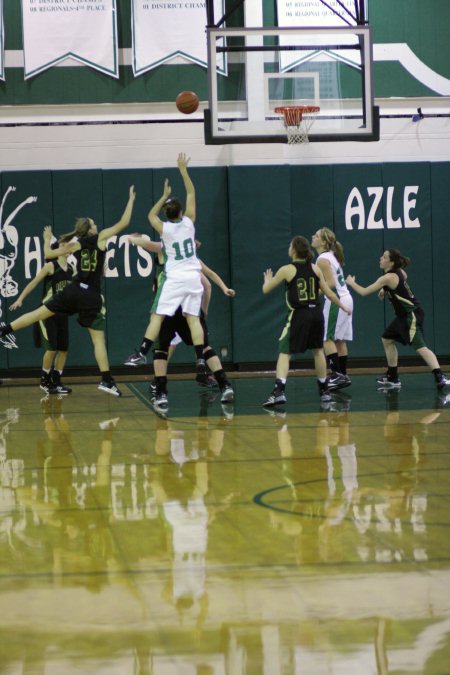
[{"x": 225, "y": 540}]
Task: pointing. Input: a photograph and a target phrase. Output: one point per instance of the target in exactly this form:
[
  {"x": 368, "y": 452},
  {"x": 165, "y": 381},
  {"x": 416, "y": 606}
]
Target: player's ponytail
[{"x": 82, "y": 226}]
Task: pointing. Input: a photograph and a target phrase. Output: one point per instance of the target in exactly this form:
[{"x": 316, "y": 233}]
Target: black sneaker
[
  {"x": 136, "y": 359},
  {"x": 338, "y": 381},
  {"x": 227, "y": 394},
  {"x": 277, "y": 397},
  {"x": 442, "y": 382},
  {"x": 47, "y": 385},
  {"x": 61, "y": 388},
  {"x": 110, "y": 388},
  {"x": 8, "y": 341},
  {"x": 387, "y": 382},
  {"x": 324, "y": 392}
]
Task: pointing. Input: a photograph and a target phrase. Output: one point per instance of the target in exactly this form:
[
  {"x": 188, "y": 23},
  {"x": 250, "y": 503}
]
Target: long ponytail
[
  {"x": 331, "y": 244},
  {"x": 82, "y": 226}
]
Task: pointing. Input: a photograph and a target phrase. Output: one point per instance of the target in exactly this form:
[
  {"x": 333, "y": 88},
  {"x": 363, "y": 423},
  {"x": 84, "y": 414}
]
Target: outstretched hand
[
  {"x": 183, "y": 160},
  {"x": 47, "y": 234},
  {"x": 268, "y": 275},
  {"x": 132, "y": 192}
]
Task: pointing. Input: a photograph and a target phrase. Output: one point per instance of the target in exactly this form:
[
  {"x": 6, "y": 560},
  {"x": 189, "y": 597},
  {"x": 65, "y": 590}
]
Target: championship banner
[
  {"x": 83, "y": 30},
  {"x": 2, "y": 43},
  {"x": 164, "y": 30},
  {"x": 316, "y": 14}
]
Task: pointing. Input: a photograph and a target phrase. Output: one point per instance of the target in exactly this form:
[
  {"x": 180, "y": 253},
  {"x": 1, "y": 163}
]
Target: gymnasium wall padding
[{"x": 246, "y": 217}]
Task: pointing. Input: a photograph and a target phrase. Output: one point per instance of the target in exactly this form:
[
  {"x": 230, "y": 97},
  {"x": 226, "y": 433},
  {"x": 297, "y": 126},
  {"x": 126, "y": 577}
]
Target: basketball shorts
[
  {"x": 338, "y": 324},
  {"x": 303, "y": 330},
  {"x": 83, "y": 300},
  {"x": 184, "y": 290},
  {"x": 53, "y": 333},
  {"x": 178, "y": 325},
  {"x": 408, "y": 330}
]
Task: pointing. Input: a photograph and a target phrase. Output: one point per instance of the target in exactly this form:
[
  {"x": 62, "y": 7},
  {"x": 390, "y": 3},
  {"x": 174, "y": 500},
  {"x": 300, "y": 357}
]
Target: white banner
[
  {"x": 314, "y": 14},
  {"x": 84, "y": 30},
  {"x": 165, "y": 29},
  {"x": 2, "y": 43}
]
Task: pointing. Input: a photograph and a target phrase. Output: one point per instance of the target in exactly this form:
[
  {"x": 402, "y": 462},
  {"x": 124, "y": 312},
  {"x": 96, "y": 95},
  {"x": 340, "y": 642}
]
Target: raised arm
[
  {"x": 208, "y": 272},
  {"x": 124, "y": 220},
  {"x": 388, "y": 279},
  {"x": 153, "y": 215},
  {"x": 326, "y": 290},
  {"x": 190, "y": 210},
  {"x": 285, "y": 273}
]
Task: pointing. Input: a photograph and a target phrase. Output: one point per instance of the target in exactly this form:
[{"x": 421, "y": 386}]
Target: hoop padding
[{"x": 294, "y": 121}]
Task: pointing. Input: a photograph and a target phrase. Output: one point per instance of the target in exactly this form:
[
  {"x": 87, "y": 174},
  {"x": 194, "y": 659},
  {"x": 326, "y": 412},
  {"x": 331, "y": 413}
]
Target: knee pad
[
  {"x": 209, "y": 354},
  {"x": 159, "y": 355}
]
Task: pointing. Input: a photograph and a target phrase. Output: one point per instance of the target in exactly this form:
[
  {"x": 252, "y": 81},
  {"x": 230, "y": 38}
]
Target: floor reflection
[{"x": 223, "y": 544}]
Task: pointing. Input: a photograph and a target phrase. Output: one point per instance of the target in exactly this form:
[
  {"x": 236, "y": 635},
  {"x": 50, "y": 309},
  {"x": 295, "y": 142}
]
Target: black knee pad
[
  {"x": 209, "y": 354},
  {"x": 159, "y": 356}
]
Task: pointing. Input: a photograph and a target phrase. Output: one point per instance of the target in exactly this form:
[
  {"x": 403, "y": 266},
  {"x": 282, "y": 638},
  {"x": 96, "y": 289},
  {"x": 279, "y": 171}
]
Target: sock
[
  {"x": 279, "y": 384},
  {"x": 145, "y": 347},
  {"x": 322, "y": 380},
  {"x": 221, "y": 378},
  {"x": 392, "y": 372},
  {"x": 343, "y": 364},
  {"x": 161, "y": 384},
  {"x": 106, "y": 376},
  {"x": 333, "y": 360},
  {"x": 437, "y": 372},
  {"x": 199, "y": 351},
  {"x": 46, "y": 371},
  {"x": 282, "y": 380}
]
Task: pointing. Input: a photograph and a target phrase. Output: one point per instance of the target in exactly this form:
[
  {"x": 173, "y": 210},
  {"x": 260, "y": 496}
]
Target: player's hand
[
  {"x": 16, "y": 304},
  {"x": 132, "y": 193},
  {"x": 167, "y": 189},
  {"x": 183, "y": 160},
  {"x": 268, "y": 275},
  {"x": 381, "y": 294},
  {"x": 47, "y": 234},
  {"x": 350, "y": 280},
  {"x": 230, "y": 292}
]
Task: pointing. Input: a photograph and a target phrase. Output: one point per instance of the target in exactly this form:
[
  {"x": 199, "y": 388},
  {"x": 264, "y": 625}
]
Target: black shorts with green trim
[
  {"x": 303, "y": 330},
  {"x": 408, "y": 330},
  {"x": 81, "y": 299},
  {"x": 53, "y": 333}
]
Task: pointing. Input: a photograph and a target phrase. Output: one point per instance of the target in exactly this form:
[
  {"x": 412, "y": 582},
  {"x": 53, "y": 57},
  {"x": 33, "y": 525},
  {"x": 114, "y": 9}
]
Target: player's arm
[
  {"x": 45, "y": 271},
  {"x": 190, "y": 210},
  {"x": 123, "y": 222},
  {"x": 215, "y": 278},
  {"x": 325, "y": 268},
  {"x": 63, "y": 249},
  {"x": 271, "y": 281},
  {"x": 143, "y": 242},
  {"x": 153, "y": 215},
  {"x": 326, "y": 290},
  {"x": 389, "y": 279}
]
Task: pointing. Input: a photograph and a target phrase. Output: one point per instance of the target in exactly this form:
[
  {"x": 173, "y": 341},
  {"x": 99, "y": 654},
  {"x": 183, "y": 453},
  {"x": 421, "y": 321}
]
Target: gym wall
[{"x": 245, "y": 219}]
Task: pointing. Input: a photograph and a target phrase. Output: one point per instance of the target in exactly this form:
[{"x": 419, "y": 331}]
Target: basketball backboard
[{"x": 266, "y": 68}]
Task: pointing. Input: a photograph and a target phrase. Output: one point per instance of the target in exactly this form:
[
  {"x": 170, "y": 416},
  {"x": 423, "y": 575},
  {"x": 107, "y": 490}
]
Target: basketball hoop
[{"x": 297, "y": 120}]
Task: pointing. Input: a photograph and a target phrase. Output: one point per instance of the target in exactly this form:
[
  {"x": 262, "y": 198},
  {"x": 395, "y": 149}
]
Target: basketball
[{"x": 187, "y": 102}]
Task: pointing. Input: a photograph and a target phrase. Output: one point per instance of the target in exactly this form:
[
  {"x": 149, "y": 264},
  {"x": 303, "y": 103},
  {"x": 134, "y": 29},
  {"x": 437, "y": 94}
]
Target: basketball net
[{"x": 297, "y": 121}]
